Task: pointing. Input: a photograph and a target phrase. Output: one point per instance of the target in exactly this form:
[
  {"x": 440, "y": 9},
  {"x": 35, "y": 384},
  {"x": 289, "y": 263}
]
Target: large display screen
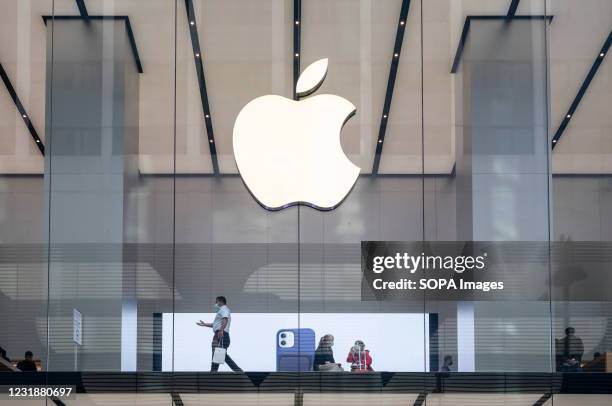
[{"x": 396, "y": 341}]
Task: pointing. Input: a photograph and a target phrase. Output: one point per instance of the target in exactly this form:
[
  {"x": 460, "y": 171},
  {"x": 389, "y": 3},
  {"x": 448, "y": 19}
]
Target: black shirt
[
  {"x": 321, "y": 358},
  {"x": 27, "y": 365}
]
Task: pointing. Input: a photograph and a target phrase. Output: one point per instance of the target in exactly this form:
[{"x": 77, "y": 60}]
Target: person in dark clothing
[
  {"x": 569, "y": 351},
  {"x": 221, "y": 336},
  {"x": 324, "y": 354},
  {"x": 27, "y": 365},
  {"x": 446, "y": 366}
]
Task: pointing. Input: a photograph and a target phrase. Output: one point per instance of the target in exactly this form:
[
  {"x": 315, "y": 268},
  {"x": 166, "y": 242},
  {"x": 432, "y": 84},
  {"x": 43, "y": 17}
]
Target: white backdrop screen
[{"x": 397, "y": 341}]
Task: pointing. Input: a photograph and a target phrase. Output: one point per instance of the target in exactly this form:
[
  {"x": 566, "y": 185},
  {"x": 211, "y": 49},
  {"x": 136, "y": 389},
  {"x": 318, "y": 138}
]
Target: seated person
[
  {"x": 569, "y": 351},
  {"x": 28, "y": 364},
  {"x": 446, "y": 366},
  {"x": 324, "y": 356},
  {"x": 359, "y": 357}
]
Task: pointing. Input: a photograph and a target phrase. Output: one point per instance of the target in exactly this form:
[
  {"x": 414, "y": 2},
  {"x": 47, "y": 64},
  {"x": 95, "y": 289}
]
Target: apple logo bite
[{"x": 288, "y": 152}]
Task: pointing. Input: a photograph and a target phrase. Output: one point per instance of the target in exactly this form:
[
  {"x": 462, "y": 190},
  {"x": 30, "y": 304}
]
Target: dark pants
[{"x": 223, "y": 342}]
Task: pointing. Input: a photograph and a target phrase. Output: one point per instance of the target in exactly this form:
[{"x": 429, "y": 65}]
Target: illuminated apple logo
[{"x": 288, "y": 152}]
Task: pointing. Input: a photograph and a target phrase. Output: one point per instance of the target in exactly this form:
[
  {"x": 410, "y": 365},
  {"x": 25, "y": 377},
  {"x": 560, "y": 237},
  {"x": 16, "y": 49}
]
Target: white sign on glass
[
  {"x": 77, "y": 327},
  {"x": 288, "y": 152}
]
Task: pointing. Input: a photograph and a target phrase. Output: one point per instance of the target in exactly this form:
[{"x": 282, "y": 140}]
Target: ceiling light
[
  {"x": 37, "y": 140},
  {"x": 601, "y": 55},
  {"x": 23, "y": 115},
  {"x": 211, "y": 141},
  {"x": 197, "y": 55},
  {"x": 384, "y": 116},
  {"x": 554, "y": 141},
  {"x": 207, "y": 116},
  {"x": 401, "y": 23},
  {"x": 192, "y": 23},
  {"x": 297, "y": 22},
  {"x": 297, "y": 54},
  {"x": 396, "y": 55},
  {"x": 380, "y": 141},
  {"x": 569, "y": 116}
]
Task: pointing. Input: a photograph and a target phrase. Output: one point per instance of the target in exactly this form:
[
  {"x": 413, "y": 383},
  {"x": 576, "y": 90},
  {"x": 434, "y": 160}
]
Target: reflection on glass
[{"x": 117, "y": 244}]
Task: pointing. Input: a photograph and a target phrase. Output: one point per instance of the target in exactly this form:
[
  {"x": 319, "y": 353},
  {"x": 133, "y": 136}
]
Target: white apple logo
[{"x": 288, "y": 152}]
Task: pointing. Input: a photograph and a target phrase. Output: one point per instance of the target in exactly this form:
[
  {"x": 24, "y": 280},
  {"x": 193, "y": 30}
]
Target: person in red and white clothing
[{"x": 360, "y": 358}]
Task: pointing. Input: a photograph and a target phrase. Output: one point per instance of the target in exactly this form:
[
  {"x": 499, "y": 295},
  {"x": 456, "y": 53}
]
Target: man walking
[{"x": 221, "y": 337}]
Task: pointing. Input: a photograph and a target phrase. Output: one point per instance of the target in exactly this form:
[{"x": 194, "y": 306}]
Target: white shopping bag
[
  {"x": 219, "y": 355},
  {"x": 219, "y": 352}
]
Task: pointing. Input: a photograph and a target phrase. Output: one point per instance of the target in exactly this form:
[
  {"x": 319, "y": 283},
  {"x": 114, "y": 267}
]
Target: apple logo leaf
[{"x": 312, "y": 78}]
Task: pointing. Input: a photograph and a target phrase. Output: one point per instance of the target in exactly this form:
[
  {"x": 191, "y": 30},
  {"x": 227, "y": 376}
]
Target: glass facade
[{"x": 124, "y": 216}]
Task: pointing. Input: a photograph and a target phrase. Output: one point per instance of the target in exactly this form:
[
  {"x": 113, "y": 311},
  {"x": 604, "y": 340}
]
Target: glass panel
[
  {"x": 23, "y": 269},
  {"x": 441, "y": 19},
  {"x": 226, "y": 243},
  {"x": 111, "y": 88},
  {"x": 486, "y": 147},
  {"x": 580, "y": 74},
  {"x": 359, "y": 42},
  {"x": 127, "y": 231}
]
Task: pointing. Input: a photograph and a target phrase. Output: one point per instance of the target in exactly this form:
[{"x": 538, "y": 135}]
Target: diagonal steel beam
[
  {"x": 585, "y": 85},
  {"x": 421, "y": 399},
  {"x": 197, "y": 57},
  {"x": 176, "y": 399},
  {"x": 82, "y": 8},
  {"x": 461, "y": 45},
  {"x": 543, "y": 399},
  {"x": 22, "y": 112},
  {"x": 397, "y": 49},
  {"x": 513, "y": 6},
  {"x": 297, "y": 42}
]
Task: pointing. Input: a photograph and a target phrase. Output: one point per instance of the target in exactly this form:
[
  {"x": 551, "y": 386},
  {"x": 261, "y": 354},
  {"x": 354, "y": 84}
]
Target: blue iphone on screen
[{"x": 295, "y": 349}]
